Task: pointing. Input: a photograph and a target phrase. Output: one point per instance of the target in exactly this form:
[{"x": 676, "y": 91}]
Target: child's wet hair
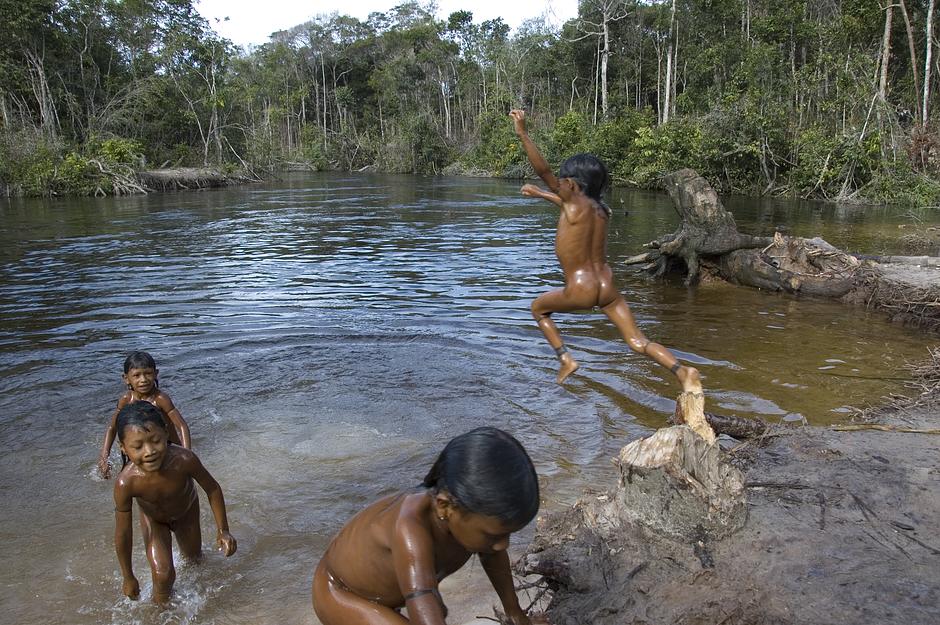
[
  {"x": 139, "y": 360},
  {"x": 590, "y": 173},
  {"x": 138, "y": 414},
  {"x": 487, "y": 471}
]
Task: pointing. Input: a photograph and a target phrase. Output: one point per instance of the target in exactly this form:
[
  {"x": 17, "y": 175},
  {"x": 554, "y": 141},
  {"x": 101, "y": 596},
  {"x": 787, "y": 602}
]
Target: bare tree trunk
[
  {"x": 885, "y": 55},
  {"x": 597, "y": 65},
  {"x": 39, "y": 85},
  {"x": 913, "y": 52},
  {"x": 928, "y": 54},
  {"x": 669, "y": 64},
  {"x": 605, "y": 55}
]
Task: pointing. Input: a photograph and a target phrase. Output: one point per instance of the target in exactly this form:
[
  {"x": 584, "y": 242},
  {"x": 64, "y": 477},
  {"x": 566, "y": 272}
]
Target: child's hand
[
  {"x": 524, "y": 619},
  {"x": 104, "y": 468},
  {"x": 226, "y": 543},
  {"x": 518, "y": 121},
  {"x": 530, "y": 190},
  {"x": 131, "y": 588}
]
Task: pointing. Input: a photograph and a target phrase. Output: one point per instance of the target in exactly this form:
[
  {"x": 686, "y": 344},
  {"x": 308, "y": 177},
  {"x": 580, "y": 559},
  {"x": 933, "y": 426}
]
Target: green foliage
[
  {"x": 770, "y": 96},
  {"x": 902, "y": 185},
  {"x": 568, "y": 136},
  {"x": 27, "y": 163},
  {"x": 312, "y": 147},
  {"x": 497, "y": 151}
]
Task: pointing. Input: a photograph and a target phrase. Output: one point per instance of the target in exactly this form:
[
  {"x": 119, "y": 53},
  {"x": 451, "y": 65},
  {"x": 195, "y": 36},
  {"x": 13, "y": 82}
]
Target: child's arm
[
  {"x": 530, "y": 190},
  {"x": 165, "y": 404},
  {"x": 535, "y": 157},
  {"x": 413, "y": 557},
  {"x": 497, "y": 570},
  {"x": 124, "y": 536},
  {"x": 104, "y": 467},
  {"x": 225, "y": 541}
]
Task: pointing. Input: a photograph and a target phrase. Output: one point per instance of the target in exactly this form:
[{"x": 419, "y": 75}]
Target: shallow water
[{"x": 325, "y": 335}]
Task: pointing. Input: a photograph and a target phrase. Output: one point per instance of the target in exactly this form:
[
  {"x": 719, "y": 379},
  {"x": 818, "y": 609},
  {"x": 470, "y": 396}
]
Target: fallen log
[
  {"x": 182, "y": 178},
  {"x": 708, "y": 243}
]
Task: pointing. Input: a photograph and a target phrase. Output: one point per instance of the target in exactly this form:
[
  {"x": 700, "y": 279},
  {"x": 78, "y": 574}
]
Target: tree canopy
[{"x": 824, "y": 98}]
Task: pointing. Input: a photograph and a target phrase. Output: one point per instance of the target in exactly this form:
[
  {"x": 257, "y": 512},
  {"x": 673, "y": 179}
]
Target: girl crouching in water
[{"x": 393, "y": 554}]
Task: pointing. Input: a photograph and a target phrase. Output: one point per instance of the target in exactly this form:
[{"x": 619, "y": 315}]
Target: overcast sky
[{"x": 252, "y": 21}]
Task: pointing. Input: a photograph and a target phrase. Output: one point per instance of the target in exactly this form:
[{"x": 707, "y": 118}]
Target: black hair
[
  {"x": 591, "y": 175},
  {"x": 139, "y": 360},
  {"x": 487, "y": 471},
  {"x": 138, "y": 414}
]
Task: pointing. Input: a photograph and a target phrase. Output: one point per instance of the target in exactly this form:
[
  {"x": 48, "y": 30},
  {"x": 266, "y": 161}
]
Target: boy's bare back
[{"x": 366, "y": 556}]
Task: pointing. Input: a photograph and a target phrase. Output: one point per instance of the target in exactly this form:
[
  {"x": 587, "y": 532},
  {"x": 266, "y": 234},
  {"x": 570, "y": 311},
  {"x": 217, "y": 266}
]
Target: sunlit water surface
[{"x": 325, "y": 335}]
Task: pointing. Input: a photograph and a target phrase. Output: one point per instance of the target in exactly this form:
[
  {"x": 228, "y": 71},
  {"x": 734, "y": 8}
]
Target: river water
[{"x": 325, "y": 335}]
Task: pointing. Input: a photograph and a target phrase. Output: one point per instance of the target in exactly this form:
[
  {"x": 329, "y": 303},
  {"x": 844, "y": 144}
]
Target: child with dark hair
[
  {"x": 160, "y": 477},
  {"x": 581, "y": 248},
  {"x": 394, "y": 553},
  {"x": 140, "y": 375}
]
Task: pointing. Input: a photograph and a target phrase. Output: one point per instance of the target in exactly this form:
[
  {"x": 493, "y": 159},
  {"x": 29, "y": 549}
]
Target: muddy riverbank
[{"x": 843, "y": 527}]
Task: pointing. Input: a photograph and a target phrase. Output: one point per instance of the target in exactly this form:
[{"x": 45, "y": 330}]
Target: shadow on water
[{"x": 327, "y": 334}]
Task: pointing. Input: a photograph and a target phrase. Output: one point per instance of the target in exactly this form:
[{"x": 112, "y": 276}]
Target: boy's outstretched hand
[
  {"x": 518, "y": 121},
  {"x": 530, "y": 190},
  {"x": 131, "y": 588},
  {"x": 226, "y": 543}
]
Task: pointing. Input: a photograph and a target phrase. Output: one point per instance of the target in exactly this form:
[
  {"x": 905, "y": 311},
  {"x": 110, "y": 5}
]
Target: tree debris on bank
[{"x": 708, "y": 245}]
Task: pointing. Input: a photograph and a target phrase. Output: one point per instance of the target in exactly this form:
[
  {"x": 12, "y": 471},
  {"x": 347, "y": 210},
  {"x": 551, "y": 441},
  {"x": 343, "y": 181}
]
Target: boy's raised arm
[
  {"x": 124, "y": 537},
  {"x": 535, "y": 157},
  {"x": 224, "y": 540}
]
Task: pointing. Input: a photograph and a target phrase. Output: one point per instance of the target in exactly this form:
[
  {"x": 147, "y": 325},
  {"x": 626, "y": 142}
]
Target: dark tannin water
[{"x": 326, "y": 335}]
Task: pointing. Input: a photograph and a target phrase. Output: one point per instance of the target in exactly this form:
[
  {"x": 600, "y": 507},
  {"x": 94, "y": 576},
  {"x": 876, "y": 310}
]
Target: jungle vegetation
[{"x": 830, "y": 99}]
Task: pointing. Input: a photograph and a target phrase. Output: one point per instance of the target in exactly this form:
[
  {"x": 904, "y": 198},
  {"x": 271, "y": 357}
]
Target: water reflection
[{"x": 326, "y": 334}]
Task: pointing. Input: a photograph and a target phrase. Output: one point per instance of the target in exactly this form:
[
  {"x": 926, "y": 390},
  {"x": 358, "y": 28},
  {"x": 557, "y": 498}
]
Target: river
[{"x": 325, "y": 335}]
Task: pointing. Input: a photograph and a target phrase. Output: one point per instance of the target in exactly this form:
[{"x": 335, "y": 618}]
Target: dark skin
[
  {"x": 406, "y": 543},
  {"x": 142, "y": 386},
  {"x": 581, "y": 248},
  {"x": 160, "y": 477}
]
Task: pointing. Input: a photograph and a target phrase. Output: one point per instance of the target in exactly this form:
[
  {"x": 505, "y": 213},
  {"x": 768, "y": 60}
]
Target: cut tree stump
[
  {"x": 677, "y": 483},
  {"x": 690, "y": 409}
]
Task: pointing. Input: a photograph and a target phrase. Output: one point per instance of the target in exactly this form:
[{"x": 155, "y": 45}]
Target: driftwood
[
  {"x": 183, "y": 178},
  {"x": 707, "y": 242}
]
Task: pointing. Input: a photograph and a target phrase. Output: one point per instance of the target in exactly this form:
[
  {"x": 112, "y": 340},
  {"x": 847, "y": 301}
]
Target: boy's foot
[
  {"x": 690, "y": 379},
  {"x": 568, "y": 366}
]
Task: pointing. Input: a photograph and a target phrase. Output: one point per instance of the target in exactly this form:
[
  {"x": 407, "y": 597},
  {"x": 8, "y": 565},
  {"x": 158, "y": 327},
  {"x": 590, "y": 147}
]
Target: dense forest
[{"x": 831, "y": 99}]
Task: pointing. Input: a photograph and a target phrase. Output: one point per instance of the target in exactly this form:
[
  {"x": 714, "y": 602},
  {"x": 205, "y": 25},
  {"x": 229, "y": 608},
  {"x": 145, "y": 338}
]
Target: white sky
[{"x": 252, "y": 21}]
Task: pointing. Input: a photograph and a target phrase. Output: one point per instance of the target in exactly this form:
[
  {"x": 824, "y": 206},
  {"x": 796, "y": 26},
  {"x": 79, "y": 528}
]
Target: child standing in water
[
  {"x": 160, "y": 477},
  {"x": 394, "y": 553},
  {"x": 581, "y": 248},
  {"x": 140, "y": 375}
]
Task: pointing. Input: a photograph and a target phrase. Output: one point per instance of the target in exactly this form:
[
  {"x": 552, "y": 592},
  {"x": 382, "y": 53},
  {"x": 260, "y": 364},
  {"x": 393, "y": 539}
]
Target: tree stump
[
  {"x": 676, "y": 482},
  {"x": 707, "y": 229}
]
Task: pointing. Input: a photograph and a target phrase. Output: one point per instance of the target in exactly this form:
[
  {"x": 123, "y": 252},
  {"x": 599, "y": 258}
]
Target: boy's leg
[
  {"x": 189, "y": 533},
  {"x": 159, "y": 545},
  {"x": 338, "y": 606},
  {"x": 618, "y": 312},
  {"x": 542, "y": 307}
]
